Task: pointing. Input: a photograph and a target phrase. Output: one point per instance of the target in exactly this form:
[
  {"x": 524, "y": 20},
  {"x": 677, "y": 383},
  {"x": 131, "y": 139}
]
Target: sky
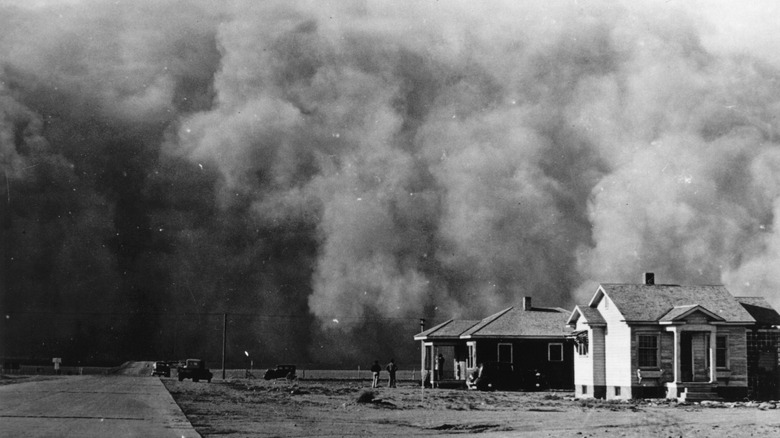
[{"x": 328, "y": 173}]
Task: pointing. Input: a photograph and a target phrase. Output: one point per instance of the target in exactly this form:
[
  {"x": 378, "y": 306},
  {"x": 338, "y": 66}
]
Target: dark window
[
  {"x": 428, "y": 357},
  {"x": 555, "y": 352},
  {"x": 505, "y": 353},
  {"x": 722, "y": 351},
  {"x": 584, "y": 389},
  {"x": 617, "y": 391},
  {"x": 648, "y": 351}
]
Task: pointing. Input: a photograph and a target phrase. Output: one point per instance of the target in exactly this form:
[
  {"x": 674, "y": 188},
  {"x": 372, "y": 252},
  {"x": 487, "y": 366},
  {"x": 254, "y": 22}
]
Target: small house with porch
[
  {"x": 656, "y": 340},
  {"x": 530, "y": 338}
]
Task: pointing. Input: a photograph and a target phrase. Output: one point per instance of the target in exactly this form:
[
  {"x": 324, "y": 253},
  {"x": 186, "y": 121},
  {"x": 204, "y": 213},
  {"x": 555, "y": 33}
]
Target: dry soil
[{"x": 249, "y": 407}]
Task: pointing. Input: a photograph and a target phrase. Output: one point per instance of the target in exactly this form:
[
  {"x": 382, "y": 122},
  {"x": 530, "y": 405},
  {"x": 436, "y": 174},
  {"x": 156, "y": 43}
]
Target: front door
[
  {"x": 695, "y": 356},
  {"x": 686, "y": 356}
]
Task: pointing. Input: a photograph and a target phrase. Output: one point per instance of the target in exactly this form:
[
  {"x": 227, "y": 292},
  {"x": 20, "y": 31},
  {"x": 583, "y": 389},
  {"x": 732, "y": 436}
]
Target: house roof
[
  {"x": 518, "y": 323},
  {"x": 646, "y": 303},
  {"x": 680, "y": 312},
  {"x": 450, "y": 329},
  {"x": 592, "y": 316},
  {"x": 760, "y": 309}
]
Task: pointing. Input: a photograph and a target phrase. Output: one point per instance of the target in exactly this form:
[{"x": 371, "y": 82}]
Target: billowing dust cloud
[{"x": 330, "y": 173}]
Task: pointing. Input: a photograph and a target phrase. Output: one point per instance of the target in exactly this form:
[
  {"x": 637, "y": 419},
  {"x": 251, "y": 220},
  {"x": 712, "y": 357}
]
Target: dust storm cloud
[{"x": 330, "y": 173}]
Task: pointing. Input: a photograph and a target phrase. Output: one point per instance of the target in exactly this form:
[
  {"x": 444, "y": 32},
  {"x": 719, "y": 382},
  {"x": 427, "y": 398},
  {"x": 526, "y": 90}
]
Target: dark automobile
[
  {"x": 286, "y": 371},
  {"x": 494, "y": 376},
  {"x": 161, "y": 369},
  {"x": 196, "y": 370}
]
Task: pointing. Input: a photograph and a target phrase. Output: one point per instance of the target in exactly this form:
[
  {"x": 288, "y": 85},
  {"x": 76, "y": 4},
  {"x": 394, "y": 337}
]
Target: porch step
[
  {"x": 450, "y": 384},
  {"x": 695, "y": 393}
]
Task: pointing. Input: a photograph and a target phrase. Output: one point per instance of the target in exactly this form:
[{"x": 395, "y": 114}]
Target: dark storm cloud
[{"x": 355, "y": 166}]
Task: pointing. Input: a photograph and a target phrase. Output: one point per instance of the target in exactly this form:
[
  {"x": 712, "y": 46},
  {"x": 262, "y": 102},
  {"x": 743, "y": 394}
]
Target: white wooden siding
[
  {"x": 583, "y": 365},
  {"x": 617, "y": 345}
]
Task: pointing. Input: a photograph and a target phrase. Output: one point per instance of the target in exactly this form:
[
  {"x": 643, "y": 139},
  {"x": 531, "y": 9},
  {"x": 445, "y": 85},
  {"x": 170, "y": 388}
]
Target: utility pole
[
  {"x": 422, "y": 353},
  {"x": 224, "y": 341}
]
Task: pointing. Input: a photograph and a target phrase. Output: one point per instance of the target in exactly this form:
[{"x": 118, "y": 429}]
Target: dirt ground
[{"x": 257, "y": 408}]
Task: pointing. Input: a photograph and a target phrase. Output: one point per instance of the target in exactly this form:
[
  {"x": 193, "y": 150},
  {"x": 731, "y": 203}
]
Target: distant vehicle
[
  {"x": 495, "y": 376},
  {"x": 161, "y": 369},
  {"x": 286, "y": 371},
  {"x": 196, "y": 370}
]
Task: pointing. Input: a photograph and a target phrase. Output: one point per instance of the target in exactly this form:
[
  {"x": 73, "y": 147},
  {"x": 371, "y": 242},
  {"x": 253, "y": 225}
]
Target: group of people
[{"x": 376, "y": 369}]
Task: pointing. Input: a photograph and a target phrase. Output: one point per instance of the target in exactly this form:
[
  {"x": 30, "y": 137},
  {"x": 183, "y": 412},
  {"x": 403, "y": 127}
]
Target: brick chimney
[
  {"x": 526, "y": 303},
  {"x": 648, "y": 278}
]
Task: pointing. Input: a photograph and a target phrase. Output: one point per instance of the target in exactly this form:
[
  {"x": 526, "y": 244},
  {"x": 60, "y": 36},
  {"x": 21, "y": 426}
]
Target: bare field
[{"x": 308, "y": 408}]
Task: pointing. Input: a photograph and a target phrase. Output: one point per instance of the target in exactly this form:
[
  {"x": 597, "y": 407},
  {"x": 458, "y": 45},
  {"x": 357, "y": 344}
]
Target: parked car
[
  {"x": 196, "y": 370},
  {"x": 161, "y": 369},
  {"x": 286, "y": 371},
  {"x": 494, "y": 376}
]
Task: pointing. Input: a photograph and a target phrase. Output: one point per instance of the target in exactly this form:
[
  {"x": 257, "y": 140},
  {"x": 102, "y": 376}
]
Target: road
[{"x": 132, "y": 404}]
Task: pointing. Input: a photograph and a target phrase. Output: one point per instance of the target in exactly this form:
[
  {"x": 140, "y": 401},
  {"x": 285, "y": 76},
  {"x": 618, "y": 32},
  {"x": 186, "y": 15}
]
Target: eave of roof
[
  {"x": 450, "y": 329},
  {"x": 591, "y": 315},
  {"x": 679, "y": 312}
]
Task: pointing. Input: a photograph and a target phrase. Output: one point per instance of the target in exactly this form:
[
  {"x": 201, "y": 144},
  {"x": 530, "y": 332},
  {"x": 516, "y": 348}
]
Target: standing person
[
  {"x": 440, "y": 367},
  {"x": 375, "y": 370},
  {"x": 391, "y": 368}
]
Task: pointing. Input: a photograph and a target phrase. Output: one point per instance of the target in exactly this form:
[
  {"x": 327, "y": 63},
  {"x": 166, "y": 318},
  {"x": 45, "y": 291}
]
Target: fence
[{"x": 302, "y": 373}]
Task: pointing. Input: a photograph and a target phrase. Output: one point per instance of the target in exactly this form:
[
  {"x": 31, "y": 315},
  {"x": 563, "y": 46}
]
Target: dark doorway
[{"x": 686, "y": 356}]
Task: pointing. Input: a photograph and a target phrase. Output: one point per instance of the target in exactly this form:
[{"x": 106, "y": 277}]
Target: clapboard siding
[{"x": 617, "y": 343}]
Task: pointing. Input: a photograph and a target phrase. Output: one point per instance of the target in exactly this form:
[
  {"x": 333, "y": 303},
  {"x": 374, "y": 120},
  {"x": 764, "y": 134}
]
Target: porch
[{"x": 695, "y": 371}]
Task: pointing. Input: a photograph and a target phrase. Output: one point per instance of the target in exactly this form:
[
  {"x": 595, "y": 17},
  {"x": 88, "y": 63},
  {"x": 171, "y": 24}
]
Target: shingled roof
[
  {"x": 450, "y": 329},
  {"x": 646, "y": 303},
  {"x": 592, "y": 316},
  {"x": 519, "y": 323},
  {"x": 761, "y": 310}
]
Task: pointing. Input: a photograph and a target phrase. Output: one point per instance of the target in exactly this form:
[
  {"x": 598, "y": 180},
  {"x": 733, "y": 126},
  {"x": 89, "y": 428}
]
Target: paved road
[{"x": 92, "y": 406}]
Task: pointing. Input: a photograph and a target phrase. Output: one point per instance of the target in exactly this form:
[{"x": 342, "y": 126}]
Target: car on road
[
  {"x": 161, "y": 369},
  {"x": 280, "y": 371},
  {"x": 196, "y": 370}
]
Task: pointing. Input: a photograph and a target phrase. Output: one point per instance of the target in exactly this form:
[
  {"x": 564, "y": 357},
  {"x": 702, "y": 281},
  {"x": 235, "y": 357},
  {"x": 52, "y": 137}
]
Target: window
[
  {"x": 428, "y": 357},
  {"x": 617, "y": 391},
  {"x": 584, "y": 389},
  {"x": 505, "y": 353},
  {"x": 472, "y": 359},
  {"x": 647, "y": 354},
  {"x": 555, "y": 352},
  {"x": 582, "y": 344},
  {"x": 722, "y": 351}
]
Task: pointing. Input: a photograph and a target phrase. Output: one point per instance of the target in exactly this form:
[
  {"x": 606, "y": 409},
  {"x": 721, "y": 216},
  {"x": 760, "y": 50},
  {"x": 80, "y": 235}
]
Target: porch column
[
  {"x": 677, "y": 366},
  {"x": 713, "y": 357}
]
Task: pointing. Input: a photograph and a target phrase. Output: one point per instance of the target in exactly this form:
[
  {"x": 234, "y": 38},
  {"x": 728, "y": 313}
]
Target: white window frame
[
  {"x": 549, "y": 350},
  {"x": 657, "y": 337},
  {"x": 511, "y": 351},
  {"x": 472, "y": 354},
  {"x": 583, "y": 346}
]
